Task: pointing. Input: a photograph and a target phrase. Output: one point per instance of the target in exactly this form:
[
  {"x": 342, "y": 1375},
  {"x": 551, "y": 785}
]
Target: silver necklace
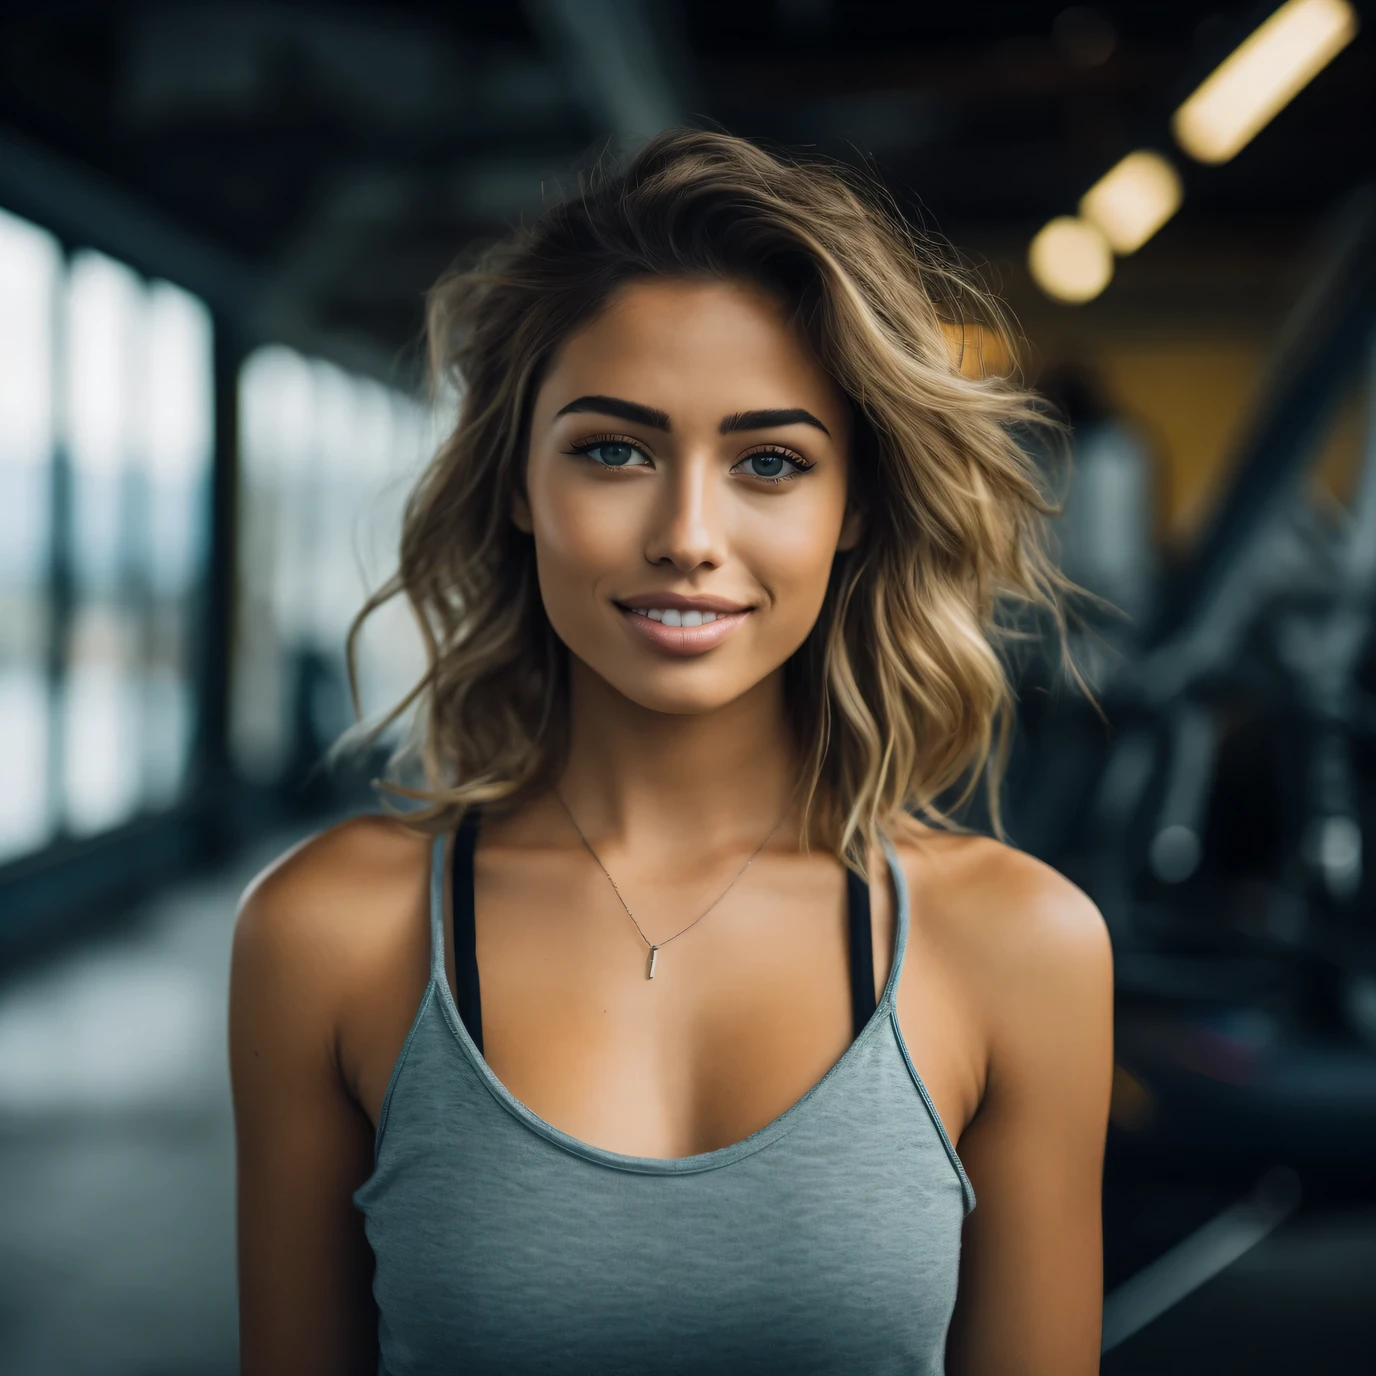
[{"x": 655, "y": 947}]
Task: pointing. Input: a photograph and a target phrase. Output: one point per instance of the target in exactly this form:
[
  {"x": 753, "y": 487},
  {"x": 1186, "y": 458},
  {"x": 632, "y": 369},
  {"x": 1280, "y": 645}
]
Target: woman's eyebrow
[
  {"x": 763, "y": 420},
  {"x": 623, "y": 410}
]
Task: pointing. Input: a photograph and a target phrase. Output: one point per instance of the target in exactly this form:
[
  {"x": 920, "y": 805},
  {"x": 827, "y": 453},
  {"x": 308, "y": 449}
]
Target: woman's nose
[{"x": 688, "y": 523}]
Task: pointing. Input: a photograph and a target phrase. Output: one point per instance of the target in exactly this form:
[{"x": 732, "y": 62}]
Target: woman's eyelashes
[
  {"x": 767, "y": 464},
  {"x": 612, "y": 451},
  {"x": 771, "y": 464}
]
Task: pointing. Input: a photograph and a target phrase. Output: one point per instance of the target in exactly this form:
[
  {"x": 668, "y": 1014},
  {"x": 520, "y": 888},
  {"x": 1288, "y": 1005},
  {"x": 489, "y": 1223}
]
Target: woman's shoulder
[
  {"x": 330, "y": 964},
  {"x": 369, "y": 848},
  {"x": 1023, "y": 932},
  {"x": 343, "y": 901}
]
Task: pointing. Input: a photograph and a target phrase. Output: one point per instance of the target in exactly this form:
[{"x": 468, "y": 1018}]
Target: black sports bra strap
[
  {"x": 467, "y": 989},
  {"x": 862, "y": 999}
]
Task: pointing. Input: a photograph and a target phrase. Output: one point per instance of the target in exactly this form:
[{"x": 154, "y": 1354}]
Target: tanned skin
[{"x": 678, "y": 768}]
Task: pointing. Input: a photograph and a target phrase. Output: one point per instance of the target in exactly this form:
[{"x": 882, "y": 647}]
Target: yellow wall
[
  {"x": 1191, "y": 395},
  {"x": 1191, "y": 387}
]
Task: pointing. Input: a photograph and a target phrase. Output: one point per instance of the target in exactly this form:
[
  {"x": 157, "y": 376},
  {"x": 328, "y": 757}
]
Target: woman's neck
[{"x": 651, "y": 782}]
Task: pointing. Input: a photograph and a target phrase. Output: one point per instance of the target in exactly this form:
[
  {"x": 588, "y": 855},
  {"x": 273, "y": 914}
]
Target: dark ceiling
[{"x": 328, "y": 160}]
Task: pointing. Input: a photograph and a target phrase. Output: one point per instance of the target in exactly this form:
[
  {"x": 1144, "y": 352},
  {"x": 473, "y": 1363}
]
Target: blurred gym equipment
[{"x": 1220, "y": 809}]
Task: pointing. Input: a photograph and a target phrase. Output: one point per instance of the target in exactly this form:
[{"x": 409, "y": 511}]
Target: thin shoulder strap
[
  {"x": 467, "y": 986},
  {"x": 439, "y": 877},
  {"x": 862, "y": 1000},
  {"x": 900, "y": 947},
  {"x": 901, "y": 915}
]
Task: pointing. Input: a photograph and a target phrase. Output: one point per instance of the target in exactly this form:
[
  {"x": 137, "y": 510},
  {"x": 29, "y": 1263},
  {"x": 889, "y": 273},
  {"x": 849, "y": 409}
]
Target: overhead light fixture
[
  {"x": 1261, "y": 76},
  {"x": 1133, "y": 199},
  {"x": 1070, "y": 259}
]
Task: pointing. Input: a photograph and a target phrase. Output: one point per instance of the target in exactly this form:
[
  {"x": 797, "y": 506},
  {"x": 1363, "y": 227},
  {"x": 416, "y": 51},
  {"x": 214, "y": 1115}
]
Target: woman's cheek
[
  {"x": 587, "y": 530},
  {"x": 793, "y": 558}
]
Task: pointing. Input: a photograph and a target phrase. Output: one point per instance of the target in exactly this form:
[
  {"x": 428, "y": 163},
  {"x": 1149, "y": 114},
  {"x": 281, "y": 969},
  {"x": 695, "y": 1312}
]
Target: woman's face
[{"x": 686, "y": 489}]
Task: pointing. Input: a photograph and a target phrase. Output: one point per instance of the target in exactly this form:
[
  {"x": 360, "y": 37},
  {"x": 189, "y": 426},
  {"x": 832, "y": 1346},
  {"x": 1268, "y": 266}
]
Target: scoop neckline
[{"x": 762, "y": 1137}]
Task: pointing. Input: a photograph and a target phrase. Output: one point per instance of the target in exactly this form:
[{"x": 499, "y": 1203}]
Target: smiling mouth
[
  {"x": 672, "y": 616},
  {"x": 682, "y": 630}
]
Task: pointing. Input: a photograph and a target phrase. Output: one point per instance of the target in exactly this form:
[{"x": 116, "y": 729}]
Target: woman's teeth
[{"x": 670, "y": 616}]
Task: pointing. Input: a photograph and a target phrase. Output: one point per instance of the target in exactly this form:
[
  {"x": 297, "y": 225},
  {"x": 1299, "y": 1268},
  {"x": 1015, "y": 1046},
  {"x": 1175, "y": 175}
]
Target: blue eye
[
  {"x": 772, "y": 466},
  {"x": 767, "y": 465},
  {"x": 614, "y": 454}
]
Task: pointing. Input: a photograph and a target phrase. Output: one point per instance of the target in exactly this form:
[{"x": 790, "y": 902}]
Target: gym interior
[{"x": 218, "y": 223}]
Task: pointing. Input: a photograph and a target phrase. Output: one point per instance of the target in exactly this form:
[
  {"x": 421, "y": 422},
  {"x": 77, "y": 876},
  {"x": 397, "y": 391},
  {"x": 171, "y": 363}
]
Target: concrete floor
[
  {"x": 116, "y": 1231},
  {"x": 1301, "y": 1302}
]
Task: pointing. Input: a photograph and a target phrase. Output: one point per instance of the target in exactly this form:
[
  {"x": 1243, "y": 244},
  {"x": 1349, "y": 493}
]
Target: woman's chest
[{"x": 743, "y": 1016}]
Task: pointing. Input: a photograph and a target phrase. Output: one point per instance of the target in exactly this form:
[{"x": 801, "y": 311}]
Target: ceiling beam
[
  {"x": 84, "y": 207},
  {"x": 614, "y": 51}
]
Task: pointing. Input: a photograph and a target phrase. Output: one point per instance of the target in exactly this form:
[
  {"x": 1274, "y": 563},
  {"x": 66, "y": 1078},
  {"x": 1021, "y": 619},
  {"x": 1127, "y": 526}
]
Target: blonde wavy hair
[{"x": 900, "y": 695}]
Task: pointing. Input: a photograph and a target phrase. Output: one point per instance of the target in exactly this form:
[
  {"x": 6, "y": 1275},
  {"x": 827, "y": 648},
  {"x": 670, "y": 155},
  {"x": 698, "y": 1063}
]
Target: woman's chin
[
  {"x": 681, "y": 699},
  {"x": 677, "y": 688}
]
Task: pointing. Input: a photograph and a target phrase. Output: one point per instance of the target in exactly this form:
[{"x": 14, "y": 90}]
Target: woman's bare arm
[
  {"x": 311, "y": 950},
  {"x": 1031, "y": 1281}
]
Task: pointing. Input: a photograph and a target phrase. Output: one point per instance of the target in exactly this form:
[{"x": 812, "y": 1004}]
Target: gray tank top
[{"x": 826, "y": 1242}]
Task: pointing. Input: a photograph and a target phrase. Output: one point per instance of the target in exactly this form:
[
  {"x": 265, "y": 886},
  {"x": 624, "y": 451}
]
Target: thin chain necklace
[{"x": 655, "y": 947}]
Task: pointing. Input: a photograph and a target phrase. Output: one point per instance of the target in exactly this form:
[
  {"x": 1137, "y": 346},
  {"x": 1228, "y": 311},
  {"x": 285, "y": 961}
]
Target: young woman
[{"x": 666, "y": 1037}]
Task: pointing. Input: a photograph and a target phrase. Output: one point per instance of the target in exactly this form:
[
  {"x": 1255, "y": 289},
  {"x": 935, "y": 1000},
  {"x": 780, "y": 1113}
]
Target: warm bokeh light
[
  {"x": 1070, "y": 259},
  {"x": 1132, "y": 200},
  {"x": 1261, "y": 76}
]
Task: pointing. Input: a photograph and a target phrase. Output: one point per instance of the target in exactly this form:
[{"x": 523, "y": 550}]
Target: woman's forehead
[{"x": 698, "y": 345}]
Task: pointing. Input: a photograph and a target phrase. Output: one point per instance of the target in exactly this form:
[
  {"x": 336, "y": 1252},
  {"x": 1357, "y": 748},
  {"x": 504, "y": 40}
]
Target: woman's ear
[
  {"x": 852, "y": 528},
  {"x": 520, "y": 512}
]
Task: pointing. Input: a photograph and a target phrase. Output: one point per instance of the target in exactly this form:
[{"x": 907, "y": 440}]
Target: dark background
[{"x": 218, "y": 222}]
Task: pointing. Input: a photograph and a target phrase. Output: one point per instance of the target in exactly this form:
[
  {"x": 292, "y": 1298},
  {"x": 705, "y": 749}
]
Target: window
[
  {"x": 105, "y": 451},
  {"x": 326, "y": 460},
  {"x": 30, "y": 269}
]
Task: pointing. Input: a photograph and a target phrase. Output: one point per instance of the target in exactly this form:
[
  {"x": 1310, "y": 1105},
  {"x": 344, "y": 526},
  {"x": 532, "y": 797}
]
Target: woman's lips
[{"x": 684, "y": 640}]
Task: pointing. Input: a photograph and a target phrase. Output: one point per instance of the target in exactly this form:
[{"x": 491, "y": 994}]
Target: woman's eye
[
  {"x": 771, "y": 465},
  {"x": 613, "y": 454}
]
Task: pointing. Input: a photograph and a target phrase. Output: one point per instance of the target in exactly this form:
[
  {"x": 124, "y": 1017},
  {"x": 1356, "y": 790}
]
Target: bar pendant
[{"x": 654, "y": 956}]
